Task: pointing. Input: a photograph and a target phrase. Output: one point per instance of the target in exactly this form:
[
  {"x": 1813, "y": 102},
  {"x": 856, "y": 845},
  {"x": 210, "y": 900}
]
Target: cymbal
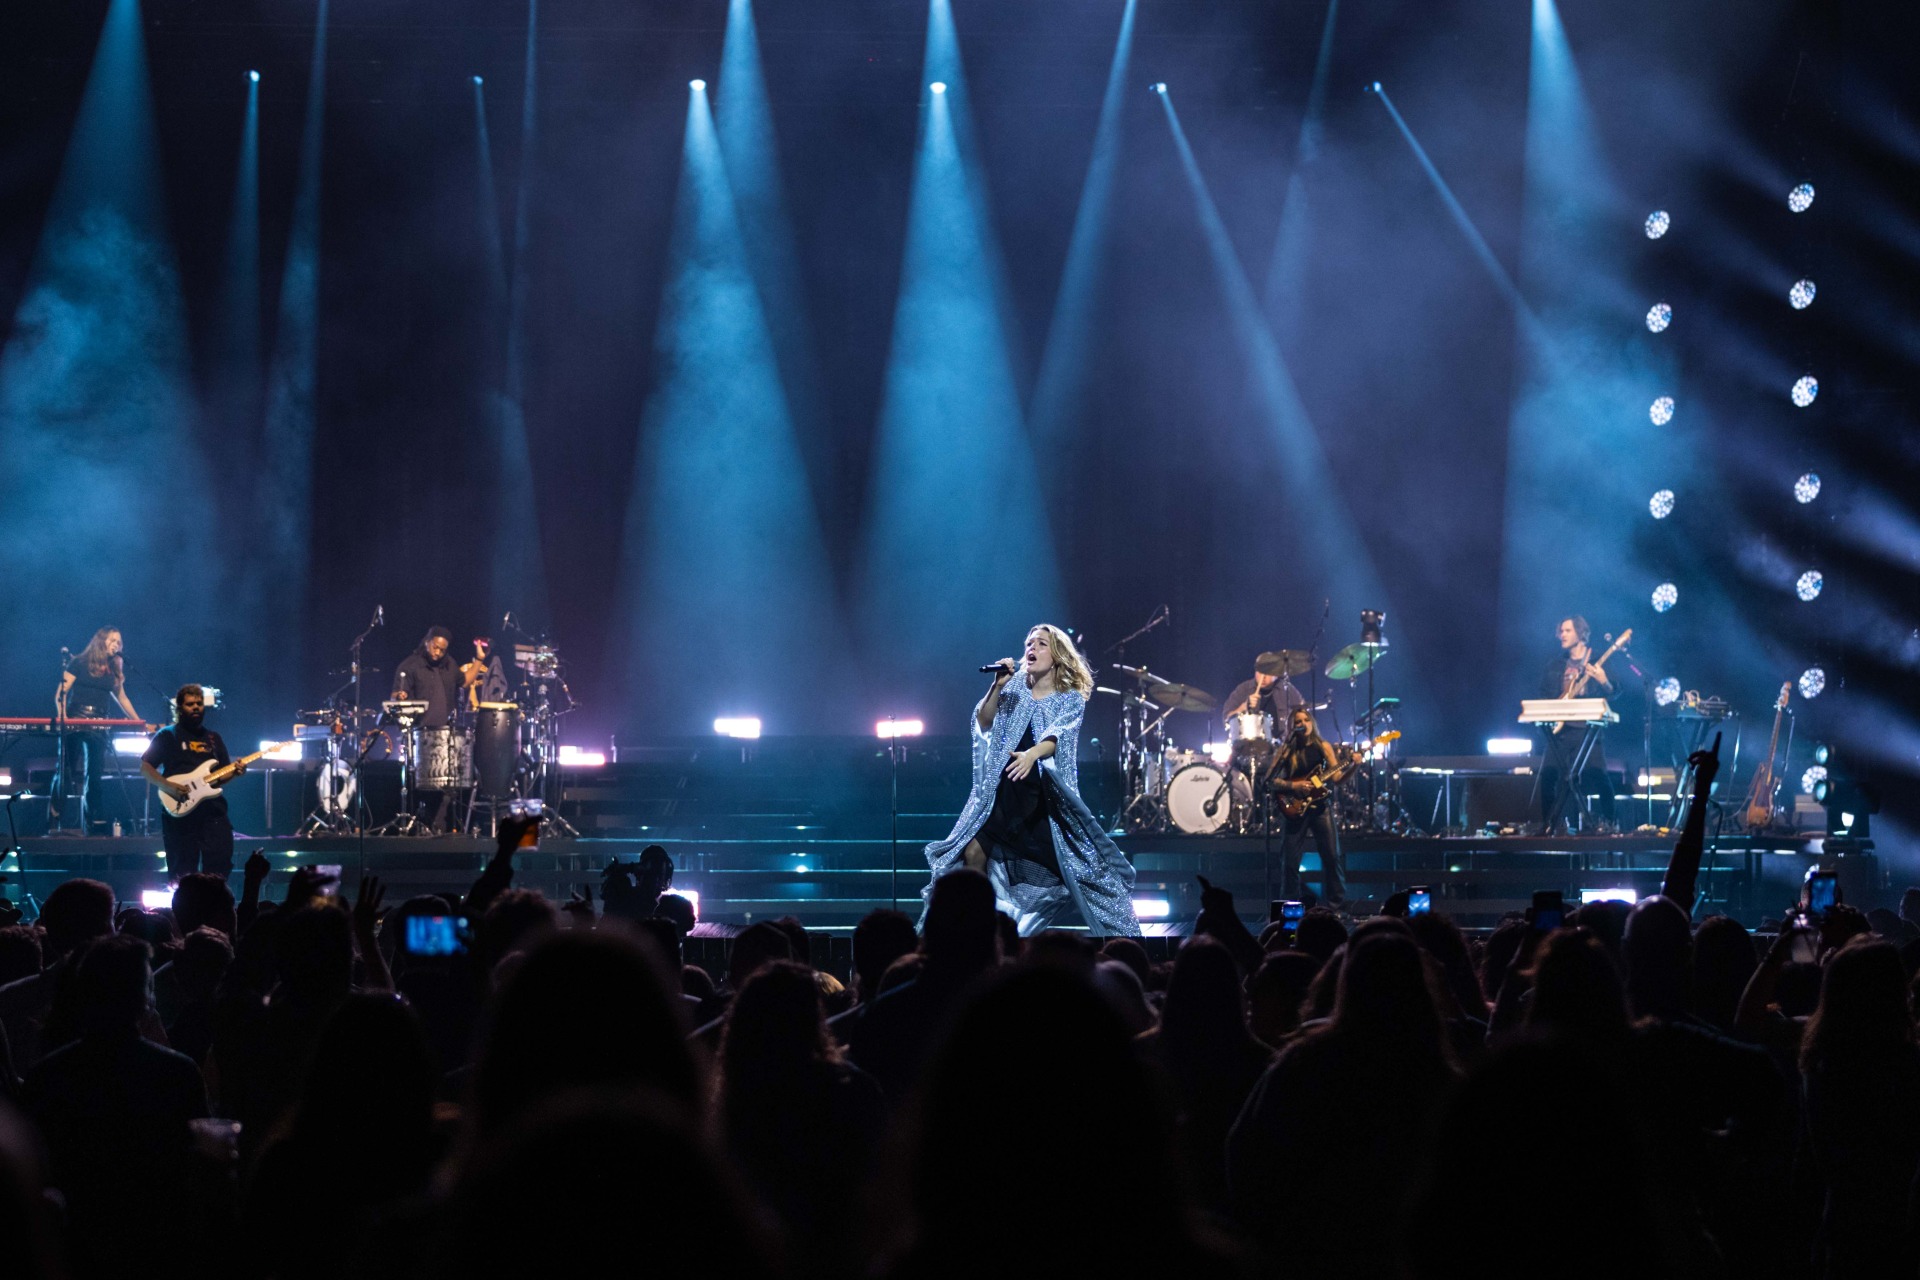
[
  {"x": 1355, "y": 659},
  {"x": 1140, "y": 673},
  {"x": 1182, "y": 697},
  {"x": 1283, "y": 662}
]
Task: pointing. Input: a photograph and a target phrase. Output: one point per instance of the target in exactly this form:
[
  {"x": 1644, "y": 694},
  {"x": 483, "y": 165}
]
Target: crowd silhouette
[{"x": 497, "y": 1084}]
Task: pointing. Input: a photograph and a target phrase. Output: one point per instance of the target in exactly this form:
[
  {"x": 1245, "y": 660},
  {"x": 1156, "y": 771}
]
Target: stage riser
[{"x": 744, "y": 880}]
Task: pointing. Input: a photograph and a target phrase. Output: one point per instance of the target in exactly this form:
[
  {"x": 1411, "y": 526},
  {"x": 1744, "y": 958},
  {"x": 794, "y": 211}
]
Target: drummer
[{"x": 1268, "y": 691}]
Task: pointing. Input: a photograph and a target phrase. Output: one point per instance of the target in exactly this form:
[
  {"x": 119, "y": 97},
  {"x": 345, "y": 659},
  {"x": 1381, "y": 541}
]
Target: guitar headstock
[{"x": 1786, "y": 691}]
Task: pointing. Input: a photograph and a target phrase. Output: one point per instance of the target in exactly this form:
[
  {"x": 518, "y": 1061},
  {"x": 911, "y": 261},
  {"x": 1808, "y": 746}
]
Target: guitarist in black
[
  {"x": 1574, "y": 674},
  {"x": 1305, "y": 757},
  {"x": 203, "y": 839}
]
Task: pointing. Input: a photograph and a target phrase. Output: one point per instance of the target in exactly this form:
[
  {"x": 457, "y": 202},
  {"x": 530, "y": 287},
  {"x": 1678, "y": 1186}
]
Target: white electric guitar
[{"x": 205, "y": 782}]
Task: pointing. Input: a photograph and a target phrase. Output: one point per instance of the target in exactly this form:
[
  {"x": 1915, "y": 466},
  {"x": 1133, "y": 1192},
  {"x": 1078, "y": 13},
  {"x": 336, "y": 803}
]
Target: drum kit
[
  {"x": 492, "y": 755},
  {"x": 1219, "y": 789}
]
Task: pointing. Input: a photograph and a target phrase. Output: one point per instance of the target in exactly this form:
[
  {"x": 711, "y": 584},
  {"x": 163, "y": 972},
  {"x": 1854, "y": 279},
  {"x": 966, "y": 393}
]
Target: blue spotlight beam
[
  {"x": 1287, "y": 272},
  {"x": 1065, "y": 363},
  {"x": 744, "y": 117},
  {"x": 1322, "y": 524},
  {"x": 285, "y": 512},
  {"x": 959, "y": 557},
  {"x": 519, "y": 579},
  {"x": 105, "y": 518},
  {"x": 725, "y": 573}
]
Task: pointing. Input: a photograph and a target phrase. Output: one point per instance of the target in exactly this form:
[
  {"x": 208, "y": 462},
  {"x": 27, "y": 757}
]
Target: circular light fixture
[
  {"x": 1665, "y": 596},
  {"x": 1822, "y": 753},
  {"x": 1160, "y": 86},
  {"x": 1667, "y": 692},
  {"x": 254, "y": 76},
  {"x": 1657, "y": 224},
  {"x": 1805, "y": 390},
  {"x": 1661, "y": 411},
  {"x": 1808, "y": 585},
  {"x": 1812, "y": 778},
  {"x": 1659, "y": 317},
  {"x": 1812, "y": 681},
  {"x": 1806, "y": 488},
  {"x": 698, "y": 86},
  {"x": 1801, "y": 295},
  {"x": 938, "y": 86},
  {"x": 1661, "y": 504},
  {"x": 478, "y": 80},
  {"x": 1800, "y": 199}
]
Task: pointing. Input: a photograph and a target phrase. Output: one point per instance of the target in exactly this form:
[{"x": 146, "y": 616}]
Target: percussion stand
[{"x": 406, "y": 822}]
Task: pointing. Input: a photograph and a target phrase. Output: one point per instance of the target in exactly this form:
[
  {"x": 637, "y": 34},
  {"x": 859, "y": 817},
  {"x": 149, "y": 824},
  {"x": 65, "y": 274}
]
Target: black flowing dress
[{"x": 1016, "y": 831}]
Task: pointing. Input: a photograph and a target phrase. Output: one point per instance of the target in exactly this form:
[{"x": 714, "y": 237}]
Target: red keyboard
[{"x": 29, "y": 724}]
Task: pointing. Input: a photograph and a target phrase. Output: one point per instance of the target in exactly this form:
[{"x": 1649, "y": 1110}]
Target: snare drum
[
  {"x": 442, "y": 759},
  {"x": 496, "y": 747},
  {"x": 1199, "y": 785},
  {"x": 1251, "y": 734}
]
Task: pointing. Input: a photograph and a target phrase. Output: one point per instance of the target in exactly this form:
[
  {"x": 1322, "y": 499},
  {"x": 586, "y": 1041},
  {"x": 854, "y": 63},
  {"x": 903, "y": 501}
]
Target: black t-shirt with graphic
[{"x": 175, "y": 751}]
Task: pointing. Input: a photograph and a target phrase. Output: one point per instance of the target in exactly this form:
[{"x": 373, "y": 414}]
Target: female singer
[
  {"x": 1025, "y": 824},
  {"x": 94, "y": 684}
]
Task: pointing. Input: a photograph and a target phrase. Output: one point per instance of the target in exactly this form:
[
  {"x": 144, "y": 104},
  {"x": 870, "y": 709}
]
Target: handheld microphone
[{"x": 995, "y": 669}]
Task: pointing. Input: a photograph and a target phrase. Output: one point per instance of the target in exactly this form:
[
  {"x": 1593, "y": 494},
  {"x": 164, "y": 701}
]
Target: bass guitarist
[
  {"x": 202, "y": 840},
  {"x": 1303, "y": 761}
]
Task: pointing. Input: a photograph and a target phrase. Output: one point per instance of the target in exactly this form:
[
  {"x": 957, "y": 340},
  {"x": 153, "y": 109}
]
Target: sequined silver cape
[{"x": 1096, "y": 880}]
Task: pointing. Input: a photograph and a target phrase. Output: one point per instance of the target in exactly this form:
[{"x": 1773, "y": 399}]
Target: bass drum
[
  {"x": 442, "y": 759},
  {"x": 1199, "y": 785},
  {"x": 496, "y": 747}
]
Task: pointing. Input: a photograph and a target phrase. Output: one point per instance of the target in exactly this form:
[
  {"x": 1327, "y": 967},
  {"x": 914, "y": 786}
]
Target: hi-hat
[
  {"x": 1355, "y": 659},
  {"x": 1283, "y": 662},
  {"x": 1182, "y": 697}
]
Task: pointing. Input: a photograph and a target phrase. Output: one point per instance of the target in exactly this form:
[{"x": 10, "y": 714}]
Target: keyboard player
[
  {"x": 93, "y": 686},
  {"x": 1562, "y": 679}
]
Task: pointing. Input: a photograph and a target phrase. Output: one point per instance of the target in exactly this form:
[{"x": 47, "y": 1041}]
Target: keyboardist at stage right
[{"x": 1575, "y": 674}]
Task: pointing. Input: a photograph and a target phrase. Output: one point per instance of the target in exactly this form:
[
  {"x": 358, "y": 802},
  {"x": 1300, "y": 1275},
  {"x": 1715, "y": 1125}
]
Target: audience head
[
  {"x": 74, "y": 914},
  {"x": 882, "y": 936},
  {"x": 1606, "y": 920},
  {"x": 1577, "y": 989},
  {"x": 585, "y": 1009},
  {"x": 1120, "y": 987},
  {"x": 204, "y": 898},
  {"x": 756, "y": 945},
  {"x": 204, "y": 956},
  {"x": 1441, "y": 938},
  {"x": 1723, "y": 961},
  {"x": 113, "y": 986},
  {"x": 962, "y": 928},
  {"x": 1130, "y": 953},
  {"x": 515, "y": 921},
  {"x": 774, "y": 1028},
  {"x": 1386, "y": 995},
  {"x": 19, "y": 953},
  {"x": 1864, "y": 1011},
  {"x": 1656, "y": 949},
  {"x": 1321, "y": 933},
  {"x": 1203, "y": 998},
  {"x": 797, "y": 938},
  {"x": 313, "y": 952},
  {"x": 665, "y": 937},
  {"x": 1276, "y": 993},
  {"x": 677, "y": 909},
  {"x": 370, "y": 1085}
]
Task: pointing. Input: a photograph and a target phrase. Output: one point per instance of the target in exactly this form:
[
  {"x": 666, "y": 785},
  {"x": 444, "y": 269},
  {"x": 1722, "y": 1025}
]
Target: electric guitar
[
  {"x": 1766, "y": 781},
  {"x": 1577, "y": 687},
  {"x": 205, "y": 781},
  {"x": 1296, "y": 806}
]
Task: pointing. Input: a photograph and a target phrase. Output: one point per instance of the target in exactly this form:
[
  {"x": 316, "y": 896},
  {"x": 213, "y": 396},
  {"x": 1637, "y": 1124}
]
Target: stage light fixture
[
  {"x": 1374, "y": 87},
  {"x": 1152, "y": 908},
  {"x": 1812, "y": 778},
  {"x": 478, "y": 81},
  {"x": 285, "y": 752},
  {"x": 156, "y": 899},
  {"x": 1218, "y": 752},
  {"x": 1160, "y": 87},
  {"x": 1659, "y": 317},
  {"x": 1667, "y": 692},
  {"x": 1509, "y": 746},
  {"x": 1665, "y": 596},
  {"x": 1627, "y": 896},
  {"x": 938, "y": 86},
  {"x": 1805, "y": 390},
  {"x": 572, "y": 757},
  {"x": 737, "y": 726},
  {"x": 130, "y": 744},
  {"x": 1822, "y": 753},
  {"x": 1661, "y": 504},
  {"x": 1820, "y": 788},
  {"x": 899, "y": 729},
  {"x": 1801, "y": 295},
  {"x": 1812, "y": 681},
  {"x": 1800, "y": 198},
  {"x": 1809, "y": 584},
  {"x": 1806, "y": 488},
  {"x": 698, "y": 86},
  {"x": 1657, "y": 224},
  {"x": 254, "y": 76},
  {"x": 1661, "y": 411}
]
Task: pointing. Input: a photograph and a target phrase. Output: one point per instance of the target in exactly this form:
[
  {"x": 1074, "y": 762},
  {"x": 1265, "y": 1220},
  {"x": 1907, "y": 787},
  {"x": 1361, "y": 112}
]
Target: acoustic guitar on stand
[{"x": 205, "y": 781}]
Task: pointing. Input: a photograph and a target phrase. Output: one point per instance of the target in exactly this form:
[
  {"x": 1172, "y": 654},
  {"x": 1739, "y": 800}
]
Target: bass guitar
[
  {"x": 1766, "y": 778},
  {"x": 1575, "y": 688},
  {"x": 205, "y": 781},
  {"x": 1322, "y": 783}
]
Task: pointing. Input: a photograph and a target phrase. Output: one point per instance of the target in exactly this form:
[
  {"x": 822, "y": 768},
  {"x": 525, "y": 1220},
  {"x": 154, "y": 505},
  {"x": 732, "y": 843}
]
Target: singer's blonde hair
[{"x": 1070, "y": 671}]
